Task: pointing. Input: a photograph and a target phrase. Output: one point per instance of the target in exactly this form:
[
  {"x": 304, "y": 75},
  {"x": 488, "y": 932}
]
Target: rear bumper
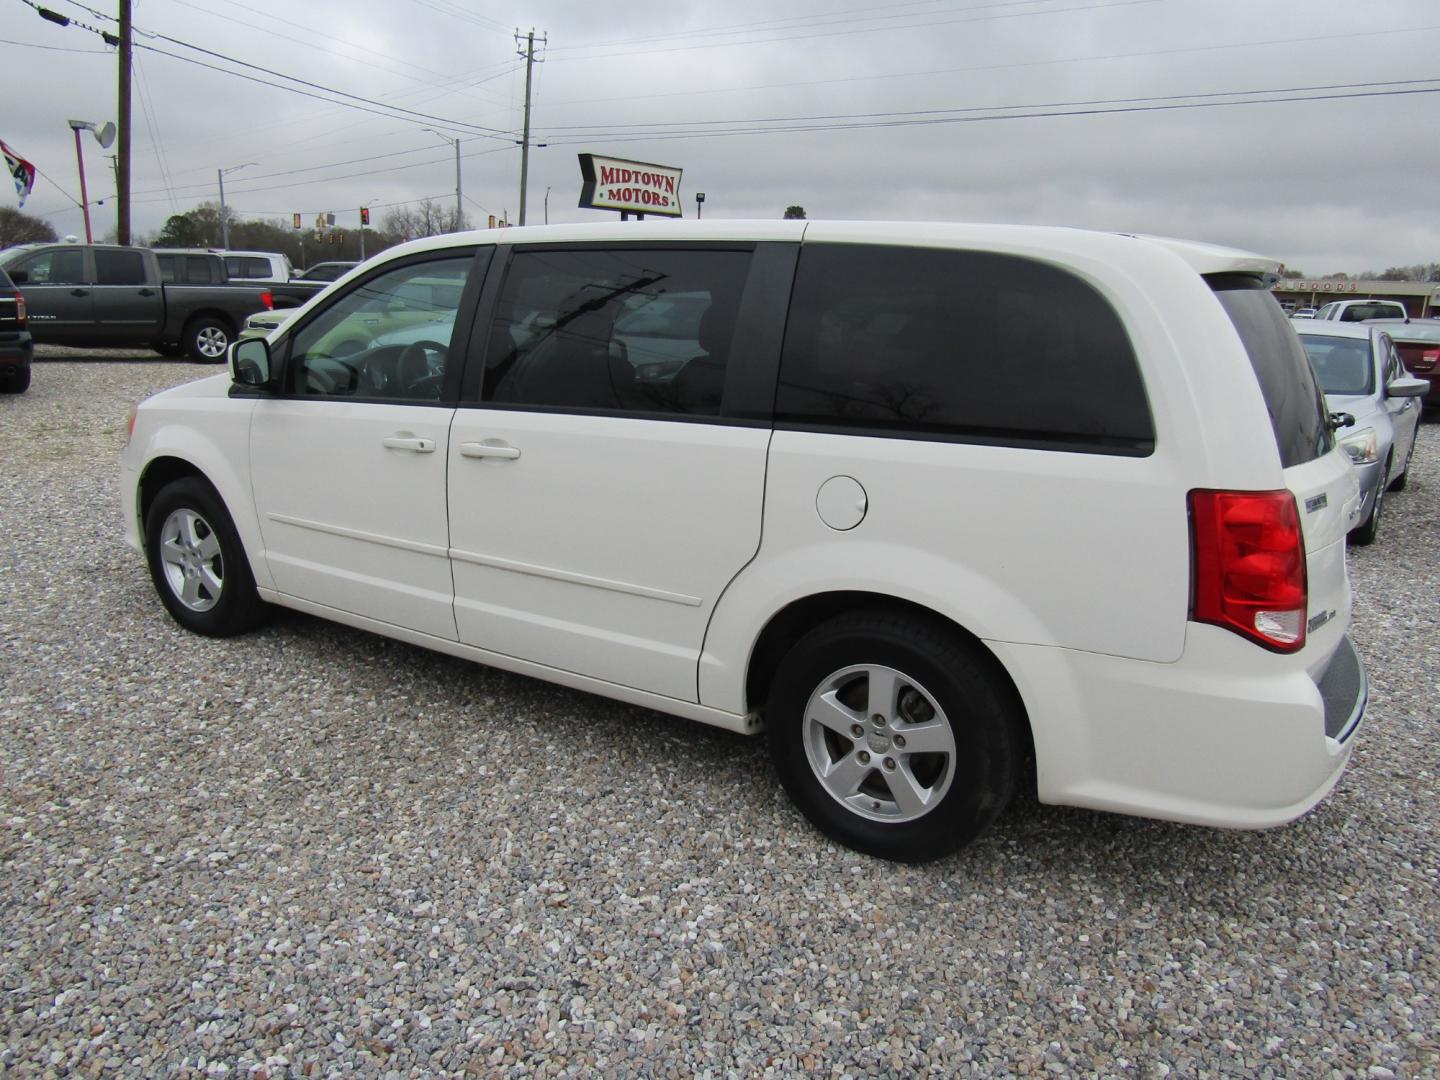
[
  {"x": 1230, "y": 735},
  {"x": 16, "y": 350}
]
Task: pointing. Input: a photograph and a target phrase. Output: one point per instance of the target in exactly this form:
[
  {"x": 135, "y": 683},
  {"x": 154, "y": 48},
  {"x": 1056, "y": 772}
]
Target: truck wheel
[
  {"x": 207, "y": 338},
  {"x": 17, "y": 382},
  {"x": 198, "y": 563},
  {"x": 892, "y": 736}
]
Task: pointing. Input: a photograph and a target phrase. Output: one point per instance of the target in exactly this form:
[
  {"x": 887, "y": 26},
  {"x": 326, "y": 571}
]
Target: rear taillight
[
  {"x": 1427, "y": 361},
  {"x": 20, "y": 308},
  {"x": 268, "y": 299},
  {"x": 1248, "y": 562}
]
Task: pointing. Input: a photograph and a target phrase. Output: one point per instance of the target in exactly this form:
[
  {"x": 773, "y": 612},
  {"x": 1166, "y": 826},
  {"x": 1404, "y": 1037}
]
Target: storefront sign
[{"x": 635, "y": 187}]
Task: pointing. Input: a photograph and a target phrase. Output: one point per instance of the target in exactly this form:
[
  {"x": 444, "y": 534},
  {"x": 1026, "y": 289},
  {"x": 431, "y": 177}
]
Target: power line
[
  {"x": 799, "y": 22},
  {"x": 999, "y": 67},
  {"x": 865, "y": 30},
  {"x": 392, "y": 111},
  {"x": 54, "y": 48},
  {"x": 479, "y": 128},
  {"x": 921, "y": 118},
  {"x": 766, "y": 120}
]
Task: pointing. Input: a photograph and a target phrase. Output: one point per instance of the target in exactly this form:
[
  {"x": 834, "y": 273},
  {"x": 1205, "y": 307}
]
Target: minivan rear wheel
[{"x": 892, "y": 736}]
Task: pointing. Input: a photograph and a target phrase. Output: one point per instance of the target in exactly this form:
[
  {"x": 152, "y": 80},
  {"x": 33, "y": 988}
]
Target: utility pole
[
  {"x": 122, "y": 154},
  {"x": 224, "y": 217},
  {"x": 529, "y": 55},
  {"x": 459, "y": 209}
]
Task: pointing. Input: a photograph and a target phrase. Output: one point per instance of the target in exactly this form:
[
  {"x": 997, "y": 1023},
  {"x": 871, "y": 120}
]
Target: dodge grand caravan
[{"x": 941, "y": 509}]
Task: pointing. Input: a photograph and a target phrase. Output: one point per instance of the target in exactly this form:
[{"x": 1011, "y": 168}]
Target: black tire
[
  {"x": 197, "y": 562},
  {"x": 206, "y": 339},
  {"x": 1365, "y": 534},
  {"x": 942, "y": 684},
  {"x": 16, "y": 382}
]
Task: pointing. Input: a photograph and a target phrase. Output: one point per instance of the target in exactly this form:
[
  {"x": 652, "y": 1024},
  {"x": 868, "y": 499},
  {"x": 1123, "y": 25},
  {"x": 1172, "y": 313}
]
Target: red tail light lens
[
  {"x": 268, "y": 299},
  {"x": 1248, "y": 562},
  {"x": 20, "y": 310}
]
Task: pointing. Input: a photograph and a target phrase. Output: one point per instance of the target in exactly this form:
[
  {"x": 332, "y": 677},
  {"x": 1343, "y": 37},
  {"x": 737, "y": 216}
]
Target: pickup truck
[
  {"x": 1362, "y": 310},
  {"x": 106, "y": 295}
]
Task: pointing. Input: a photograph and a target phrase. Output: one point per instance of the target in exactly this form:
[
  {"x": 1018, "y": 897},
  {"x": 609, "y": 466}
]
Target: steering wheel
[{"x": 417, "y": 378}]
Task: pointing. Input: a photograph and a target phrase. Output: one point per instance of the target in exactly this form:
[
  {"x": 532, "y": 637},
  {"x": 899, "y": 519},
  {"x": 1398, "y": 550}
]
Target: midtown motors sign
[{"x": 633, "y": 187}]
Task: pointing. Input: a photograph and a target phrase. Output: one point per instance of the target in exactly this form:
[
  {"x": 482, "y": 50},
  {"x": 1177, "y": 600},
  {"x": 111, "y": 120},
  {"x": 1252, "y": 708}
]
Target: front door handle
[
  {"x": 147, "y": 292},
  {"x": 413, "y": 443},
  {"x": 79, "y": 292},
  {"x": 490, "y": 450}
]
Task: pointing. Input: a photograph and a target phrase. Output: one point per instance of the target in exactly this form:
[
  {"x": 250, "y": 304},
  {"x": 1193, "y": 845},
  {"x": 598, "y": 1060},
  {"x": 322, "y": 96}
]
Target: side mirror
[
  {"x": 1407, "y": 386},
  {"x": 250, "y": 363}
]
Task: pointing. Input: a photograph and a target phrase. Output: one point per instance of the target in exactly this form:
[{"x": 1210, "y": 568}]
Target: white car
[{"x": 926, "y": 503}]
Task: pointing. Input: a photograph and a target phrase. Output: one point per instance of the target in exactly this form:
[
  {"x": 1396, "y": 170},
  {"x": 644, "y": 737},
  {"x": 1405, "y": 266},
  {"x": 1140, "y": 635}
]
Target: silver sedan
[{"x": 1361, "y": 374}]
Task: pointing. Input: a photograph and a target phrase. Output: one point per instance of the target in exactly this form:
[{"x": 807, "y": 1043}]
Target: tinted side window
[
  {"x": 1292, "y": 395},
  {"x": 166, "y": 264},
  {"x": 958, "y": 344},
  {"x": 119, "y": 267},
  {"x": 624, "y": 329},
  {"x": 58, "y": 266},
  {"x": 199, "y": 270},
  {"x": 387, "y": 338}
]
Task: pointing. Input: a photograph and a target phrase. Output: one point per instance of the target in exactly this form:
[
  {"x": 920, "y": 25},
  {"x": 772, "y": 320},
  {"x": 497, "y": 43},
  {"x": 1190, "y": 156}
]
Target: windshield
[{"x": 1343, "y": 365}]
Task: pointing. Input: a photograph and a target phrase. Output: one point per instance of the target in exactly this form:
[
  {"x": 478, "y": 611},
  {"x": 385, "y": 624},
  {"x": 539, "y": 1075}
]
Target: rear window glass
[
  {"x": 959, "y": 345},
  {"x": 1292, "y": 395}
]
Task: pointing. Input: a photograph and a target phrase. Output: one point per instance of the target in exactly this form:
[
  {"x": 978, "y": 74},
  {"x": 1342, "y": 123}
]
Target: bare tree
[{"x": 428, "y": 218}]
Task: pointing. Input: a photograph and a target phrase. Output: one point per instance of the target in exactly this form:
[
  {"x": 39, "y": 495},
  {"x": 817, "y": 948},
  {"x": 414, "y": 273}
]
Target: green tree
[
  {"x": 794, "y": 213},
  {"x": 18, "y": 228}
]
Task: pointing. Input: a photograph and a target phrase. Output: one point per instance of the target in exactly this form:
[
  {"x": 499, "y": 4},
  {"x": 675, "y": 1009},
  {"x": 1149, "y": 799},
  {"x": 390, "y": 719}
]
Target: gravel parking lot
[{"x": 311, "y": 851}]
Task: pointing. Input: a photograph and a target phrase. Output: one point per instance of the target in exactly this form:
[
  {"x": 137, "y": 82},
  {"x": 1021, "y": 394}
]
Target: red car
[{"x": 1418, "y": 343}]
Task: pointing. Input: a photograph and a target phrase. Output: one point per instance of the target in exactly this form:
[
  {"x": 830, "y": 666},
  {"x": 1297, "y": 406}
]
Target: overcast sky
[{"x": 906, "y": 111}]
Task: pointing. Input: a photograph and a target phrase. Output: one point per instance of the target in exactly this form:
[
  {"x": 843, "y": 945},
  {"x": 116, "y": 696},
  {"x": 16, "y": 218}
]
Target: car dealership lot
[{"x": 311, "y": 846}]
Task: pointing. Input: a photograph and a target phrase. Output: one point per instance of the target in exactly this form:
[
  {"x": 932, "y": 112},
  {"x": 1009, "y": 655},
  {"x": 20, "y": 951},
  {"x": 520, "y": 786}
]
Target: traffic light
[
  {"x": 364, "y": 215},
  {"x": 297, "y": 221}
]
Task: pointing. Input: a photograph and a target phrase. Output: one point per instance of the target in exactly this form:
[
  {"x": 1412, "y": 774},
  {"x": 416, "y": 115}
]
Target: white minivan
[{"x": 943, "y": 509}]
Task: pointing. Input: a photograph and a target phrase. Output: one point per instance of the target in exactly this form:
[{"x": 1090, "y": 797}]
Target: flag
[{"x": 21, "y": 170}]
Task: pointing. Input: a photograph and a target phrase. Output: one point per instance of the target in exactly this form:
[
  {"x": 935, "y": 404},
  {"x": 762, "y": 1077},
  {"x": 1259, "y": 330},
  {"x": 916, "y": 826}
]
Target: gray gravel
[{"x": 311, "y": 851}]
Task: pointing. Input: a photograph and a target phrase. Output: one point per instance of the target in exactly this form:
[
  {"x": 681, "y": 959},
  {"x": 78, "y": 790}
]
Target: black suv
[{"x": 16, "y": 349}]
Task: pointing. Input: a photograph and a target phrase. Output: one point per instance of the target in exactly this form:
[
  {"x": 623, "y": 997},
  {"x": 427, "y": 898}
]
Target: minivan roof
[{"x": 1203, "y": 258}]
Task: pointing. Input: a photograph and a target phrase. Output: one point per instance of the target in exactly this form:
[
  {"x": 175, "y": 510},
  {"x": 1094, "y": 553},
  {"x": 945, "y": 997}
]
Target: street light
[
  {"x": 224, "y": 220},
  {"x": 459, "y": 212},
  {"x": 104, "y": 136}
]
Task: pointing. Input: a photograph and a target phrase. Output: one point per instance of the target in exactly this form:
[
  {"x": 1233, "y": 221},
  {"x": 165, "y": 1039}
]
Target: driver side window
[{"x": 386, "y": 339}]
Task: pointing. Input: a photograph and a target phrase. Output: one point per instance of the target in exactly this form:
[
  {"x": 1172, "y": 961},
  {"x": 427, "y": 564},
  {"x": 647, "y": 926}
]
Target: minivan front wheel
[
  {"x": 197, "y": 562},
  {"x": 892, "y": 736}
]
